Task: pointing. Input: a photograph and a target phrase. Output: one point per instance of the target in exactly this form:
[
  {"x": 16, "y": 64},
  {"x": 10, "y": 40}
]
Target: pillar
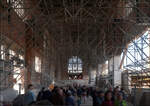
[
  {"x": 99, "y": 69},
  {"x": 85, "y": 72},
  {"x": 92, "y": 76},
  {"x": 114, "y": 71}
]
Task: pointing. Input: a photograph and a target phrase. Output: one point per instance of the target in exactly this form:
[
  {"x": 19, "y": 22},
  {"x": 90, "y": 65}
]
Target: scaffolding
[
  {"x": 93, "y": 30},
  {"x": 11, "y": 65},
  {"x": 136, "y": 60}
]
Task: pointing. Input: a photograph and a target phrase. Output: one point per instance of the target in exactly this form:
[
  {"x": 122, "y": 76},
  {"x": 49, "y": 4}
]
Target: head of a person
[
  {"x": 43, "y": 88},
  {"x": 116, "y": 89},
  {"x": 101, "y": 94},
  {"x": 120, "y": 96},
  {"x": 115, "y": 92},
  {"x": 55, "y": 89},
  {"x": 60, "y": 91},
  {"x": 122, "y": 89},
  {"x": 30, "y": 87},
  {"x": 69, "y": 93},
  {"x": 108, "y": 96}
]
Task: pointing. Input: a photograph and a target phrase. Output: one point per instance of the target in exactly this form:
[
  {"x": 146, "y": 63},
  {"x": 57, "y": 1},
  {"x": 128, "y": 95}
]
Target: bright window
[
  {"x": 37, "y": 64},
  {"x": 75, "y": 65},
  {"x": 17, "y": 5},
  {"x": 11, "y": 54},
  {"x": 129, "y": 7},
  {"x": 18, "y": 85},
  {"x": 105, "y": 68},
  {"x": 2, "y": 52}
]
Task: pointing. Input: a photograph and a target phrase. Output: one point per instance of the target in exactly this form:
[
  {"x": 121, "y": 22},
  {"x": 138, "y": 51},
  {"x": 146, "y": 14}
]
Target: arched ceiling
[{"x": 95, "y": 30}]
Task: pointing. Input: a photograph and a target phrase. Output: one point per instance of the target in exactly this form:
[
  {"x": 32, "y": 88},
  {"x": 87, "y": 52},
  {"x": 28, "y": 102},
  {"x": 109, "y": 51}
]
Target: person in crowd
[
  {"x": 58, "y": 97},
  {"x": 78, "y": 100},
  {"x": 65, "y": 91},
  {"x": 117, "y": 88},
  {"x": 86, "y": 100},
  {"x": 84, "y": 88},
  {"x": 73, "y": 96},
  {"x": 108, "y": 99},
  {"x": 73, "y": 91},
  {"x": 70, "y": 99},
  {"x": 115, "y": 93},
  {"x": 47, "y": 95},
  {"x": 99, "y": 98},
  {"x": 40, "y": 94},
  {"x": 120, "y": 101},
  {"x": 124, "y": 93},
  {"x": 94, "y": 95},
  {"x": 79, "y": 92},
  {"x": 29, "y": 97}
]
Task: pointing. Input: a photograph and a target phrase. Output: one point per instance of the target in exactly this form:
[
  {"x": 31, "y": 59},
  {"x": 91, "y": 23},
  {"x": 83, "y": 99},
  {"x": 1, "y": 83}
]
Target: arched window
[{"x": 75, "y": 65}]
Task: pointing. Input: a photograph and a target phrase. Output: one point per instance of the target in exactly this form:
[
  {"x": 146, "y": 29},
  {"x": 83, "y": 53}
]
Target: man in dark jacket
[{"x": 69, "y": 99}]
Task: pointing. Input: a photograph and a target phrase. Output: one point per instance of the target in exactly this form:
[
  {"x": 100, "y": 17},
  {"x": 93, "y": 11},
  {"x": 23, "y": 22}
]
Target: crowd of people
[{"x": 75, "y": 96}]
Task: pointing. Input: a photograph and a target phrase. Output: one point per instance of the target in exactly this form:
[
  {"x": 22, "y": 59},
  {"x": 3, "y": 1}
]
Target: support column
[
  {"x": 65, "y": 71},
  {"x": 114, "y": 71},
  {"x": 98, "y": 73},
  {"x": 58, "y": 69},
  {"x": 28, "y": 57},
  {"x": 92, "y": 76},
  {"x": 99, "y": 70},
  {"x": 85, "y": 72}
]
